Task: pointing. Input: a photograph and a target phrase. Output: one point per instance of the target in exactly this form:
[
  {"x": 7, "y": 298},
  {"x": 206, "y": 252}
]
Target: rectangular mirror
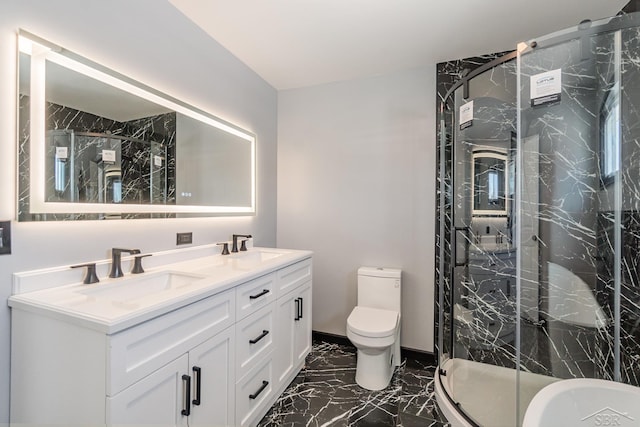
[
  {"x": 94, "y": 144},
  {"x": 489, "y": 183}
]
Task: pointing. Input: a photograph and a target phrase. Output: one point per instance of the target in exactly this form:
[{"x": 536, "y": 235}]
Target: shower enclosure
[
  {"x": 92, "y": 167},
  {"x": 539, "y": 222}
]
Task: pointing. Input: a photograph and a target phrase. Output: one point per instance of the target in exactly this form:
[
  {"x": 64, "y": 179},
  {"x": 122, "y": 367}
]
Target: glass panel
[
  {"x": 629, "y": 100},
  {"x": 570, "y": 215},
  {"x": 576, "y": 233},
  {"x": 481, "y": 298},
  {"x": 445, "y": 261}
]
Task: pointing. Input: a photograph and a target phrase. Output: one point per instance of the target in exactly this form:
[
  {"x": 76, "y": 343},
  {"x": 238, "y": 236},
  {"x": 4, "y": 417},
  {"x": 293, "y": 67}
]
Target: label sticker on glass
[
  {"x": 109, "y": 156},
  {"x": 466, "y": 115},
  {"x": 546, "y": 87},
  {"x": 62, "y": 153},
  {"x": 157, "y": 160}
]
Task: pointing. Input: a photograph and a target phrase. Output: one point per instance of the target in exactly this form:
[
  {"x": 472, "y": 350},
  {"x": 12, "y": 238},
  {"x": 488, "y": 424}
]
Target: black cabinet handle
[
  {"x": 301, "y": 305},
  {"x": 297, "y": 300},
  {"x": 260, "y": 390},
  {"x": 197, "y": 377},
  {"x": 186, "y": 392},
  {"x": 264, "y": 292},
  {"x": 258, "y": 338}
]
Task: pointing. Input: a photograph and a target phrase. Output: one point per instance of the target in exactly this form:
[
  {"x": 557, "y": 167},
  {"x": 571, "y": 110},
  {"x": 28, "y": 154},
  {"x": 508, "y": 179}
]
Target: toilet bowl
[
  {"x": 374, "y": 326},
  {"x": 375, "y": 333}
]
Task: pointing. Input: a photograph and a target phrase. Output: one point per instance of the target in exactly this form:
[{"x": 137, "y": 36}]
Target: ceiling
[{"x": 299, "y": 43}]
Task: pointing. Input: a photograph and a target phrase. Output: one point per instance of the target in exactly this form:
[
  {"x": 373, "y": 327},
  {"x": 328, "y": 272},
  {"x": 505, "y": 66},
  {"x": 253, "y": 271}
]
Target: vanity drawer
[
  {"x": 254, "y": 338},
  {"x": 293, "y": 276},
  {"x": 254, "y": 295},
  {"x": 138, "y": 351},
  {"x": 253, "y": 393}
]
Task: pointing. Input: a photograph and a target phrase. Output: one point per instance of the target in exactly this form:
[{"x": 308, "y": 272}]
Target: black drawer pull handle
[
  {"x": 264, "y": 292},
  {"x": 258, "y": 338},
  {"x": 260, "y": 390},
  {"x": 300, "y": 316},
  {"x": 297, "y": 301},
  {"x": 197, "y": 377},
  {"x": 186, "y": 392}
]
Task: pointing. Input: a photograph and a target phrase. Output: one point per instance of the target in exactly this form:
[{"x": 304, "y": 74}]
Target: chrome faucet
[
  {"x": 116, "y": 256},
  {"x": 234, "y": 248}
]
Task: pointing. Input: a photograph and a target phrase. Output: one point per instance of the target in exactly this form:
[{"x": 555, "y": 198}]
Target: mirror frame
[
  {"x": 41, "y": 50},
  {"x": 493, "y": 155}
]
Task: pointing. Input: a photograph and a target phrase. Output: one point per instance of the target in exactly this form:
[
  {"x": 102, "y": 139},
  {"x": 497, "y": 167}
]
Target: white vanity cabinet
[
  {"x": 64, "y": 373},
  {"x": 198, "y": 387},
  {"x": 293, "y": 320},
  {"x": 273, "y": 338},
  {"x": 255, "y": 332},
  {"x": 157, "y": 399},
  {"x": 221, "y": 360},
  {"x": 294, "y": 332}
]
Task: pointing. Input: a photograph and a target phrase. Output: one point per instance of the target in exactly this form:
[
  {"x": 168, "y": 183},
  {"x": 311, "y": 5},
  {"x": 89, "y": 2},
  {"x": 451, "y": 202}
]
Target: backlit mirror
[
  {"x": 94, "y": 144},
  {"x": 489, "y": 183}
]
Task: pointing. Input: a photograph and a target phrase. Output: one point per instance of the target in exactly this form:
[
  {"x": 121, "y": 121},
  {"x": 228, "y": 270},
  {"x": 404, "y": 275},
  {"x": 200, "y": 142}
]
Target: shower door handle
[{"x": 466, "y": 231}]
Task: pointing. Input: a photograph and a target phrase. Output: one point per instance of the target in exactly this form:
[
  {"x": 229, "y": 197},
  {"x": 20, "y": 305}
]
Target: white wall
[
  {"x": 150, "y": 41},
  {"x": 356, "y": 185}
]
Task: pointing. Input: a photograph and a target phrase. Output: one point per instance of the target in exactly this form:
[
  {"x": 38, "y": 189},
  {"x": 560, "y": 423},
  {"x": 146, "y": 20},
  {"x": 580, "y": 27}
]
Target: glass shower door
[
  {"x": 580, "y": 191},
  {"x": 478, "y": 294}
]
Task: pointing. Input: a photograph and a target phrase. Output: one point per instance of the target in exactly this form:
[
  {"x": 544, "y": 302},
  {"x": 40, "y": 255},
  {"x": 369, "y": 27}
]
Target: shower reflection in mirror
[
  {"x": 91, "y": 167},
  {"x": 95, "y": 144},
  {"x": 489, "y": 183}
]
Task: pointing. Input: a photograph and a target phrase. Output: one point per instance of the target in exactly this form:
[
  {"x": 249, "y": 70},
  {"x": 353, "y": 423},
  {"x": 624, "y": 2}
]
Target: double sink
[{"x": 112, "y": 299}]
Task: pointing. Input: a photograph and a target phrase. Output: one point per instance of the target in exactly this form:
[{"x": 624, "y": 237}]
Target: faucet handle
[
  {"x": 91, "y": 276},
  {"x": 137, "y": 264},
  {"x": 234, "y": 248},
  {"x": 243, "y": 246},
  {"x": 225, "y": 248},
  {"x": 129, "y": 251},
  {"x": 116, "y": 255}
]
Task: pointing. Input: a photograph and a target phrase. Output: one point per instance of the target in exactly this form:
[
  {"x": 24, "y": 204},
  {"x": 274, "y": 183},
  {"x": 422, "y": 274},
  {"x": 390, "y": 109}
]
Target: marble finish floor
[{"x": 325, "y": 394}]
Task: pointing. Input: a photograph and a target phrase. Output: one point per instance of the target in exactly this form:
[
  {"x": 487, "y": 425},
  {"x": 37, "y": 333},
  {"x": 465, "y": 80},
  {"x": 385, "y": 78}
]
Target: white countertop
[{"x": 112, "y": 305}]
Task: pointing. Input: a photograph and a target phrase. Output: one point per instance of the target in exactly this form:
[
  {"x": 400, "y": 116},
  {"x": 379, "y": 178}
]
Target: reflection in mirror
[
  {"x": 489, "y": 183},
  {"x": 95, "y": 145}
]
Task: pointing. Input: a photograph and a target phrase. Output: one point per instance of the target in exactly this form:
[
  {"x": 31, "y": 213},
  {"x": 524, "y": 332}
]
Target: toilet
[{"x": 374, "y": 326}]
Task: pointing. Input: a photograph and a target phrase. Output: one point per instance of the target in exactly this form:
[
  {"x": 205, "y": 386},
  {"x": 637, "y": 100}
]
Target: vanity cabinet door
[
  {"x": 213, "y": 381},
  {"x": 157, "y": 399},
  {"x": 302, "y": 327},
  {"x": 283, "y": 353},
  {"x": 293, "y": 323}
]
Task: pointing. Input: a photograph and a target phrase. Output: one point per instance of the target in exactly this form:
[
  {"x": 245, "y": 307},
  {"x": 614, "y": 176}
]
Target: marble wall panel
[{"x": 135, "y": 157}]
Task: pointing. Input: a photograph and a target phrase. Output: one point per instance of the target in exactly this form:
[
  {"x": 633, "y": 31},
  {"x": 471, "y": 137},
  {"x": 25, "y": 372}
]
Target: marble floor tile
[{"x": 325, "y": 394}]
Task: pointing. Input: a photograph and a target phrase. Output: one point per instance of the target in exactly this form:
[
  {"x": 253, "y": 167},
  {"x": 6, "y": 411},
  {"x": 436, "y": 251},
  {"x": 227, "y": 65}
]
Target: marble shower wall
[{"x": 139, "y": 177}]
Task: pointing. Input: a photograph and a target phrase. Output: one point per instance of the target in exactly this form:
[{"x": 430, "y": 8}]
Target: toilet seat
[{"x": 373, "y": 322}]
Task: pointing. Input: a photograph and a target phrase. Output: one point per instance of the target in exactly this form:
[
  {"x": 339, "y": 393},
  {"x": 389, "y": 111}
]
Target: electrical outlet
[
  {"x": 184, "y": 238},
  {"x": 5, "y": 237}
]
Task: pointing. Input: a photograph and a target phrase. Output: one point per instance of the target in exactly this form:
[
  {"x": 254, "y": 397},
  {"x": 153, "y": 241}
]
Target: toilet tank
[{"x": 379, "y": 288}]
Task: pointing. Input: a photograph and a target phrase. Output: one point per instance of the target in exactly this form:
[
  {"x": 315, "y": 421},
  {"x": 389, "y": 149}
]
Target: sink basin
[
  {"x": 250, "y": 259},
  {"x": 130, "y": 289},
  {"x": 256, "y": 256}
]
